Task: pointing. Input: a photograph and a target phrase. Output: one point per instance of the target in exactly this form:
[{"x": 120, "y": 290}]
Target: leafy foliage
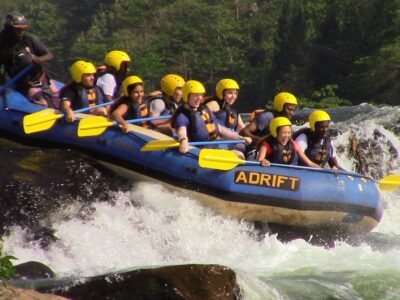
[
  {"x": 7, "y": 269},
  {"x": 324, "y": 98}
]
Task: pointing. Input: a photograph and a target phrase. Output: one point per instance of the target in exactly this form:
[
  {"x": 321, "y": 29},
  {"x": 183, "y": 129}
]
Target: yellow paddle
[
  {"x": 97, "y": 125},
  {"x": 227, "y": 160},
  {"x": 40, "y": 121},
  {"x": 390, "y": 182},
  {"x": 45, "y": 119},
  {"x": 158, "y": 145}
]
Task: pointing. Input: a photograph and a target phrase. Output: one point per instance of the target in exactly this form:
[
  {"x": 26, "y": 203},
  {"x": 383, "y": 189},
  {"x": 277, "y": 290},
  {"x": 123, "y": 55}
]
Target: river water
[{"x": 144, "y": 224}]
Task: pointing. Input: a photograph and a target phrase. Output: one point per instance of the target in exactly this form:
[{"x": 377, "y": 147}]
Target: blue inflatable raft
[{"x": 304, "y": 198}]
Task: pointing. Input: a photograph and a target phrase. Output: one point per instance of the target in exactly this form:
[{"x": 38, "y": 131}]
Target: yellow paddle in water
[
  {"x": 158, "y": 145},
  {"x": 226, "y": 160},
  {"x": 97, "y": 125},
  {"x": 45, "y": 119},
  {"x": 390, "y": 182}
]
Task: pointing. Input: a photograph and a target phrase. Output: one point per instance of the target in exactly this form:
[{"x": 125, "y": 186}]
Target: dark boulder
[
  {"x": 195, "y": 282},
  {"x": 33, "y": 270}
]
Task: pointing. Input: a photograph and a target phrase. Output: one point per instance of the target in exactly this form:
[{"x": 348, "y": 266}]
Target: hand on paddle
[
  {"x": 184, "y": 145},
  {"x": 247, "y": 140},
  {"x": 265, "y": 163},
  {"x": 70, "y": 116}
]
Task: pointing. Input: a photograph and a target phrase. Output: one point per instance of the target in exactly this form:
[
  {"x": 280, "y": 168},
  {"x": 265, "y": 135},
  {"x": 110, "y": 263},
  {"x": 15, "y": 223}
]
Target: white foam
[{"x": 120, "y": 235}]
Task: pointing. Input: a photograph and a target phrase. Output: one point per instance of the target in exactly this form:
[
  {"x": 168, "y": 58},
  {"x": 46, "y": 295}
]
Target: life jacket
[
  {"x": 83, "y": 97},
  {"x": 282, "y": 154},
  {"x": 255, "y": 114},
  {"x": 135, "y": 111},
  {"x": 225, "y": 115},
  {"x": 170, "y": 106},
  {"x": 318, "y": 150},
  {"x": 201, "y": 125},
  {"x": 101, "y": 71}
]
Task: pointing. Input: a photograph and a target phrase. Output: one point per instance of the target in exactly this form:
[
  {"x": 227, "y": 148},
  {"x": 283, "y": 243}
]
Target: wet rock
[
  {"x": 35, "y": 184},
  {"x": 369, "y": 152},
  {"x": 34, "y": 270},
  {"x": 195, "y": 282}
]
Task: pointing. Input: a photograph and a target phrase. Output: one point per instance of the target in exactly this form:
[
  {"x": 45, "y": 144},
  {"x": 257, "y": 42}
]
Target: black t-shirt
[{"x": 10, "y": 47}]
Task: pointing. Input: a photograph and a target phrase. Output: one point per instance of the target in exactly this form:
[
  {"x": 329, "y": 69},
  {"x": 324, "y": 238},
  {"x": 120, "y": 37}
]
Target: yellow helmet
[
  {"x": 170, "y": 82},
  {"x": 115, "y": 58},
  {"x": 81, "y": 67},
  {"x": 282, "y": 98},
  {"x": 224, "y": 84},
  {"x": 276, "y": 123},
  {"x": 318, "y": 116},
  {"x": 192, "y": 87},
  {"x": 130, "y": 80}
]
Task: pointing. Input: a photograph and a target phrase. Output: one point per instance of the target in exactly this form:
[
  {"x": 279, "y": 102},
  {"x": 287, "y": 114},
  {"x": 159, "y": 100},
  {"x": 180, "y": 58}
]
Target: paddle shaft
[
  {"x": 211, "y": 158},
  {"x": 85, "y": 109},
  {"x": 97, "y": 125},
  {"x": 221, "y": 142},
  {"x": 323, "y": 170},
  {"x": 132, "y": 121},
  {"x": 12, "y": 81}
]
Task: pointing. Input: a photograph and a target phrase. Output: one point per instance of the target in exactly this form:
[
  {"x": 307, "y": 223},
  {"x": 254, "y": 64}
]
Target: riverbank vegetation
[
  {"x": 322, "y": 51},
  {"x": 7, "y": 269}
]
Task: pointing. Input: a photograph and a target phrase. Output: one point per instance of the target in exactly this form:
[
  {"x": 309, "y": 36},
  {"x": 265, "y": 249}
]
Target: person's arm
[
  {"x": 240, "y": 124},
  {"x": 41, "y": 59},
  {"x": 66, "y": 107},
  {"x": 108, "y": 98},
  {"x": 40, "y": 53},
  {"x": 333, "y": 163},
  {"x": 181, "y": 133},
  {"x": 117, "y": 116},
  {"x": 262, "y": 155},
  {"x": 229, "y": 134},
  {"x": 213, "y": 106},
  {"x": 248, "y": 131}
]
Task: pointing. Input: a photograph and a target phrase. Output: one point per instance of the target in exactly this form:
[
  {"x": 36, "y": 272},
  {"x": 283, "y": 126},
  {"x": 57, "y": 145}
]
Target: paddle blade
[
  {"x": 158, "y": 145},
  {"x": 40, "y": 121},
  {"x": 390, "y": 183},
  {"x": 93, "y": 126},
  {"x": 219, "y": 159}
]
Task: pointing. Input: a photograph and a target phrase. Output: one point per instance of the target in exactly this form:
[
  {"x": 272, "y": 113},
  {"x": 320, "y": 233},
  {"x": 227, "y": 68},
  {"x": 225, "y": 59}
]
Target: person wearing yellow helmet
[
  {"x": 82, "y": 91},
  {"x": 131, "y": 105},
  {"x": 166, "y": 102},
  {"x": 116, "y": 68},
  {"x": 284, "y": 106},
  {"x": 194, "y": 121},
  {"x": 227, "y": 91},
  {"x": 279, "y": 147},
  {"x": 315, "y": 141}
]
